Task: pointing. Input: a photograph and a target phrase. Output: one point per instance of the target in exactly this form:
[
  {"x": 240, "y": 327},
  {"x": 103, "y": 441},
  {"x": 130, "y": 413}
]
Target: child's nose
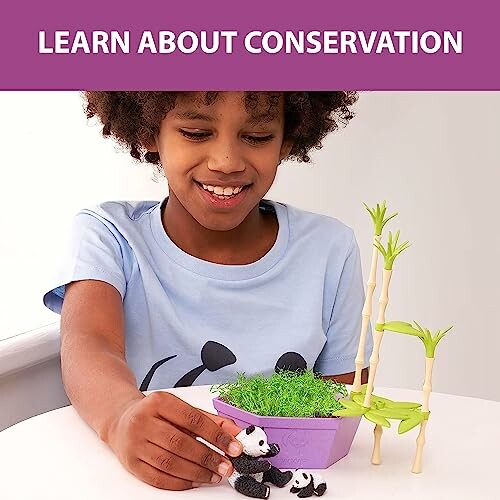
[{"x": 226, "y": 158}]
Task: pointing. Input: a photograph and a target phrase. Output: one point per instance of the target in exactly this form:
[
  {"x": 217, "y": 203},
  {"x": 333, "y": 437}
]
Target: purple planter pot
[{"x": 305, "y": 443}]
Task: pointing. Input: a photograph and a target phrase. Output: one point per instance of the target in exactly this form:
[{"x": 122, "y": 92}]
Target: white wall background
[{"x": 435, "y": 157}]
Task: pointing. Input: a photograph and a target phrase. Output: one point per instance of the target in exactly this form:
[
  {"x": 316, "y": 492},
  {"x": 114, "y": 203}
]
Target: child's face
[{"x": 206, "y": 150}]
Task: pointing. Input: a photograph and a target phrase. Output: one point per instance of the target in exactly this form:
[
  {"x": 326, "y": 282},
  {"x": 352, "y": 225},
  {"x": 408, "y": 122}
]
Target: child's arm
[
  {"x": 339, "y": 353},
  {"x": 143, "y": 431},
  {"x": 348, "y": 378}
]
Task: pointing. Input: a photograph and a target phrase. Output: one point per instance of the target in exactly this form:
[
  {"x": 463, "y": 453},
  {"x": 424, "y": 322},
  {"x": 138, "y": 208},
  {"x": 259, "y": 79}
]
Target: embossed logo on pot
[{"x": 295, "y": 439}]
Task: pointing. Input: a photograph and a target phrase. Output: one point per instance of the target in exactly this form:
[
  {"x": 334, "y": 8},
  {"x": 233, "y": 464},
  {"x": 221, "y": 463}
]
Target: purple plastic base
[{"x": 305, "y": 443}]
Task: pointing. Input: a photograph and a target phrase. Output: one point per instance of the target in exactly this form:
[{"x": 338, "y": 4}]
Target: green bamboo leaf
[
  {"x": 401, "y": 327},
  {"x": 377, "y": 215},
  {"x": 381, "y": 249},
  {"x": 377, "y": 419},
  {"x": 394, "y": 241},
  {"x": 397, "y": 413},
  {"x": 438, "y": 338},
  {"x": 374, "y": 397},
  {"x": 350, "y": 412},
  {"x": 419, "y": 328},
  {"x": 410, "y": 423},
  {"x": 385, "y": 221},
  {"x": 358, "y": 398},
  {"x": 371, "y": 212},
  {"x": 446, "y": 330},
  {"x": 403, "y": 405},
  {"x": 380, "y": 399},
  {"x": 347, "y": 403},
  {"x": 402, "y": 247}
]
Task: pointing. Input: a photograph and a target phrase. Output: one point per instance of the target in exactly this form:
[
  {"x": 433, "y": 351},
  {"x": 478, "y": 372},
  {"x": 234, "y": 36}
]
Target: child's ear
[{"x": 286, "y": 147}]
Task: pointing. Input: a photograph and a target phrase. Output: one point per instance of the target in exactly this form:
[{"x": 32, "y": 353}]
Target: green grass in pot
[{"x": 284, "y": 394}]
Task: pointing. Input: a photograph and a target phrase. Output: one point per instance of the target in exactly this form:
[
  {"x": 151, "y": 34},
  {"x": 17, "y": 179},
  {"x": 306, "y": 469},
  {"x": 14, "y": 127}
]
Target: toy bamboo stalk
[
  {"x": 377, "y": 437},
  {"x": 426, "y": 389},
  {"x": 378, "y": 335},
  {"x": 374, "y": 359},
  {"x": 379, "y": 221},
  {"x": 417, "y": 463},
  {"x": 430, "y": 341},
  {"x": 390, "y": 253},
  {"x": 366, "y": 315}
]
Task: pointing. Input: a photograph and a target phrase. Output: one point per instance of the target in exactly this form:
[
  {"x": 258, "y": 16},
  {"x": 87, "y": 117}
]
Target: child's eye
[
  {"x": 258, "y": 139},
  {"x": 194, "y": 135}
]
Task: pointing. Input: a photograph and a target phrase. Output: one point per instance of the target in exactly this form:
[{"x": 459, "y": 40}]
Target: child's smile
[
  {"x": 220, "y": 160},
  {"x": 222, "y": 196}
]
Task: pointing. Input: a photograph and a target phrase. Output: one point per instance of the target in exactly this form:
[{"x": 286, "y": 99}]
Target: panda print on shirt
[{"x": 215, "y": 356}]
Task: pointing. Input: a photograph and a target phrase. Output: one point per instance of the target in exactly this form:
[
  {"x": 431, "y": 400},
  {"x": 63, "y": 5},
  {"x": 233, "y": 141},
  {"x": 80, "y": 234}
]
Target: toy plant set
[
  {"x": 362, "y": 401},
  {"x": 312, "y": 421},
  {"x": 296, "y": 410}
]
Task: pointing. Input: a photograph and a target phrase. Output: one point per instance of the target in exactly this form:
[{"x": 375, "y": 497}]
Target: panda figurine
[
  {"x": 307, "y": 484},
  {"x": 251, "y": 470}
]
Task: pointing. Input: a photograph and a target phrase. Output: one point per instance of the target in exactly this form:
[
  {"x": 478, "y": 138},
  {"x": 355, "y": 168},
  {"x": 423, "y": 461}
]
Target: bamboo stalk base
[
  {"x": 377, "y": 437},
  {"x": 417, "y": 464}
]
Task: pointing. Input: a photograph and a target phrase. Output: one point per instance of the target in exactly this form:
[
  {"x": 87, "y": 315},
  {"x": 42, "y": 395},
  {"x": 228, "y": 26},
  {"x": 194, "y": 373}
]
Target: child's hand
[
  {"x": 226, "y": 424},
  {"x": 154, "y": 438}
]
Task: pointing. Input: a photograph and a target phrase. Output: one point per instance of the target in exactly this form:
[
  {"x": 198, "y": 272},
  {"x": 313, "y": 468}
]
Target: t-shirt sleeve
[
  {"x": 94, "y": 253},
  {"x": 339, "y": 353}
]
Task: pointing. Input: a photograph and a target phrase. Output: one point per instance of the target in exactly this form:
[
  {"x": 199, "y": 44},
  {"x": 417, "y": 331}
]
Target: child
[{"x": 212, "y": 281}]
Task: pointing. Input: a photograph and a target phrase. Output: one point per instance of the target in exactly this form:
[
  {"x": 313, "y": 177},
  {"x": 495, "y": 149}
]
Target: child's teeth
[{"x": 222, "y": 191}]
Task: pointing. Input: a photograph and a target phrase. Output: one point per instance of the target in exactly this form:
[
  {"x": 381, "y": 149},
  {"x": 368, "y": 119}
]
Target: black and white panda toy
[
  {"x": 251, "y": 470},
  {"x": 307, "y": 484}
]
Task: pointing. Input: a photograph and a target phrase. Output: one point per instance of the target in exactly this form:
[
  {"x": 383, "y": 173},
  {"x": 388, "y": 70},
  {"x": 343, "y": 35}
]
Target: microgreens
[{"x": 284, "y": 394}]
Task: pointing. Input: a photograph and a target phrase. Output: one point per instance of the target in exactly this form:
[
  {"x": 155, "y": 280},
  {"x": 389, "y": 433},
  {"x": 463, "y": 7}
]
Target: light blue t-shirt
[{"x": 190, "y": 322}]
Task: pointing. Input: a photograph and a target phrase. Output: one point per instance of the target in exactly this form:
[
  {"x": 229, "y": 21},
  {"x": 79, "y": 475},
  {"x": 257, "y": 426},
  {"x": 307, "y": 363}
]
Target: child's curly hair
[{"x": 133, "y": 118}]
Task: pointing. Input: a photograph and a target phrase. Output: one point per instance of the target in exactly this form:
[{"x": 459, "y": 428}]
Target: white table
[{"x": 55, "y": 456}]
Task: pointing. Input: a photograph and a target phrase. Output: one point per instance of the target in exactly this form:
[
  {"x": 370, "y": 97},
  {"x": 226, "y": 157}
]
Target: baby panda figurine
[
  {"x": 251, "y": 470},
  {"x": 307, "y": 484}
]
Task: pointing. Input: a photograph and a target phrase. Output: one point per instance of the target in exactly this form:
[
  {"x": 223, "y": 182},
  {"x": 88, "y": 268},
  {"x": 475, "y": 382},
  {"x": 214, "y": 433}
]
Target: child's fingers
[
  {"x": 175, "y": 465},
  {"x": 224, "y": 423},
  {"x": 158, "y": 478},
  {"x": 176, "y": 441},
  {"x": 181, "y": 414}
]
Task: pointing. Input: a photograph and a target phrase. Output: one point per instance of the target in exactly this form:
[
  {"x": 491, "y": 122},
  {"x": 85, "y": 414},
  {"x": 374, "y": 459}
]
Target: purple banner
[{"x": 258, "y": 45}]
